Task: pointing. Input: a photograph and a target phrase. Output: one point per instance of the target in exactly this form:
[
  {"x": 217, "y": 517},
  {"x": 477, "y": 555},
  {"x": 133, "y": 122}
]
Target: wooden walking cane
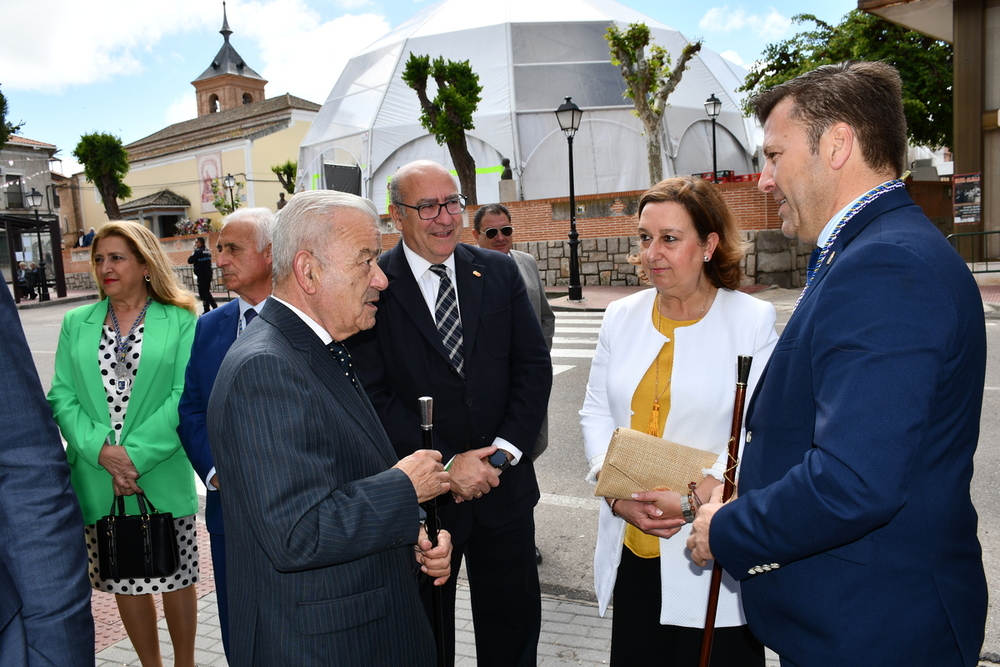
[
  {"x": 430, "y": 507},
  {"x": 729, "y": 486}
]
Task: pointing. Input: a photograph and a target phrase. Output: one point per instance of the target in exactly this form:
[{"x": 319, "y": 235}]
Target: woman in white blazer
[{"x": 666, "y": 364}]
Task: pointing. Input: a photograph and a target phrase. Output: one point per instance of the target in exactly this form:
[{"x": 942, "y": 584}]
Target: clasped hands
[
  {"x": 658, "y": 513},
  {"x": 116, "y": 461}
]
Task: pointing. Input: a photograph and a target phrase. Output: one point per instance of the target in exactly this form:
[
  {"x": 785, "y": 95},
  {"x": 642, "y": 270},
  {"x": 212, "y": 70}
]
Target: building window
[
  {"x": 213, "y": 104},
  {"x": 15, "y": 196},
  {"x": 247, "y": 99}
]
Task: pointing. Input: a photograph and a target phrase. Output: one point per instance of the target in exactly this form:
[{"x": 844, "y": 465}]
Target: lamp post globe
[
  {"x": 569, "y": 116},
  {"x": 713, "y": 107},
  {"x": 35, "y": 201},
  {"x": 229, "y": 182}
]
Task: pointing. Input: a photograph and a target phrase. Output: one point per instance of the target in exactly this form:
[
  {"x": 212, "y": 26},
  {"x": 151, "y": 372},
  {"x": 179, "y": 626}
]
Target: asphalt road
[{"x": 566, "y": 517}]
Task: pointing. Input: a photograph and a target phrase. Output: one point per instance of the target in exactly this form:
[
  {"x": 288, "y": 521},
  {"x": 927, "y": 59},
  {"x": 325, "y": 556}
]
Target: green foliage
[
  {"x": 221, "y": 197},
  {"x": 449, "y": 114},
  {"x": 649, "y": 80},
  {"x": 924, "y": 64},
  {"x": 6, "y": 128},
  {"x": 105, "y": 163},
  {"x": 286, "y": 175}
]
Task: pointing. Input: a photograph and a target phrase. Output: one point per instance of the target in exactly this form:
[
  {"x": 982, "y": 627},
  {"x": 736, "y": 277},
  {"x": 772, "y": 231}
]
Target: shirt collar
[
  {"x": 317, "y": 329},
  {"x": 824, "y": 235},
  {"x": 420, "y": 266}
]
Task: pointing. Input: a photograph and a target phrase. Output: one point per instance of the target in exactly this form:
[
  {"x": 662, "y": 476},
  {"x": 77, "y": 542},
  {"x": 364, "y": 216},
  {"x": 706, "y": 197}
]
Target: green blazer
[{"x": 149, "y": 435}]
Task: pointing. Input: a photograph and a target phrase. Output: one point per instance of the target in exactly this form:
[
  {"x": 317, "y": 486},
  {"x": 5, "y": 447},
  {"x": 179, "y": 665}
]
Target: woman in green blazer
[{"x": 119, "y": 374}]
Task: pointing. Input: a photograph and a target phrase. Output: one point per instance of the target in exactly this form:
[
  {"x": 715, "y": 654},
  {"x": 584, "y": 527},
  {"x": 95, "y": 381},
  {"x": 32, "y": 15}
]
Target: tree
[
  {"x": 924, "y": 64},
  {"x": 648, "y": 81},
  {"x": 286, "y": 175},
  {"x": 449, "y": 114},
  {"x": 6, "y": 128},
  {"x": 105, "y": 163}
]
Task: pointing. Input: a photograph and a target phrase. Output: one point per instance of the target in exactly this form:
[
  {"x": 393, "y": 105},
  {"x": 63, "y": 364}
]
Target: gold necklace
[{"x": 653, "y": 428}]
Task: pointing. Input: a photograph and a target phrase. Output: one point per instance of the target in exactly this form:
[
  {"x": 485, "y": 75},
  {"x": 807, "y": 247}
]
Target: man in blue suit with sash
[
  {"x": 244, "y": 256},
  {"x": 854, "y": 534}
]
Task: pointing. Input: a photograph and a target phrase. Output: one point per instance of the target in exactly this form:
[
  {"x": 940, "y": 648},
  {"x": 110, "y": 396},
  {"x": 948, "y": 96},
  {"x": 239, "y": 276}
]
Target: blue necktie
[
  {"x": 343, "y": 357},
  {"x": 446, "y": 316}
]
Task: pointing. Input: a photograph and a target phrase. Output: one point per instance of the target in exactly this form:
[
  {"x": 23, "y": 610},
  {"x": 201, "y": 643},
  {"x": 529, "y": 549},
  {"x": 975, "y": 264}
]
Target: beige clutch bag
[{"x": 637, "y": 461}]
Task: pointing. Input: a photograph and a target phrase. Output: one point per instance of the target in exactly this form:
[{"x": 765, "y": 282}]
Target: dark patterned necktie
[
  {"x": 343, "y": 357},
  {"x": 247, "y": 319},
  {"x": 446, "y": 316}
]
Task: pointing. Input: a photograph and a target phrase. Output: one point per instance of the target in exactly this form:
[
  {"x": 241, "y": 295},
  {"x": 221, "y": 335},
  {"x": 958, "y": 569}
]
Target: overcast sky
[{"x": 125, "y": 66}]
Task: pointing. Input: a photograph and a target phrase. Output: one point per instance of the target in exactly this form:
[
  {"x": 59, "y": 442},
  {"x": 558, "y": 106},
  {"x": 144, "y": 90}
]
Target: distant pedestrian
[
  {"x": 202, "y": 260},
  {"x": 87, "y": 239}
]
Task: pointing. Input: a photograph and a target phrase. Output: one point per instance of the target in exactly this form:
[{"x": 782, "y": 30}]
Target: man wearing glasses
[{"x": 456, "y": 324}]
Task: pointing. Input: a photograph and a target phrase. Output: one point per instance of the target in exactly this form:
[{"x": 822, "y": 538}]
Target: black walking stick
[
  {"x": 437, "y": 604},
  {"x": 742, "y": 376}
]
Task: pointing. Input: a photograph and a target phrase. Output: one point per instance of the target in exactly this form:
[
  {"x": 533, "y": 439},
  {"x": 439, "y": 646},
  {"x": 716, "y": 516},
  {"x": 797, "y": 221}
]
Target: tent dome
[{"x": 529, "y": 56}]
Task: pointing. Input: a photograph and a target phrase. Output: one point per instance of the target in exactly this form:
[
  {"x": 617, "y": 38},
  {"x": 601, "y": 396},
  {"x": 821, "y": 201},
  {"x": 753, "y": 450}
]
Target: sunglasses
[{"x": 491, "y": 233}]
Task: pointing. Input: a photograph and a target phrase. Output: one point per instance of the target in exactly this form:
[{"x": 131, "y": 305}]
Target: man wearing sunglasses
[{"x": 455, "y": 324}]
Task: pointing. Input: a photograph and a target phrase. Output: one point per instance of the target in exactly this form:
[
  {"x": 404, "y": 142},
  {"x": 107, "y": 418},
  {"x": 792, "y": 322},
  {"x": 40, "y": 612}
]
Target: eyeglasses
[
  {"x": 491, "y": 233},
  {"x": 431, "y": 211}
]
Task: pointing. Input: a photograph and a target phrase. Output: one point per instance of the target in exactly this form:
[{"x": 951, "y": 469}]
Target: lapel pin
[{"x": 477, "y": 274}]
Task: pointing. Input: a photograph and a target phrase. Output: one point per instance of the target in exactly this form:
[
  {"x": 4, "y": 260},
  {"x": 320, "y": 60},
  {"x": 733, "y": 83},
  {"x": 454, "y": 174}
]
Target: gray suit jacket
[
  {"x": 319, "y": 529},
  {"x": 527, "y": 266}
]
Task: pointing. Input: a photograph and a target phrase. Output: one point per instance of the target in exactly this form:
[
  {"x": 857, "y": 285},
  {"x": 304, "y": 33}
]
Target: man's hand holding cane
[{"x": 698, "y": 541}]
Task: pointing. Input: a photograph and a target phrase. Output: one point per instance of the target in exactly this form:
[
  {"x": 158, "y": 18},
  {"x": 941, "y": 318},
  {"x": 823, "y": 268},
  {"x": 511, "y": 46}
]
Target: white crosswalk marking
[{"x": 575, "y": 338}]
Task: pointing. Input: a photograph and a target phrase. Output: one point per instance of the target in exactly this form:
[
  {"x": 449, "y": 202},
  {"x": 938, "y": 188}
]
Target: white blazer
[{"x": 702, "y": 393}]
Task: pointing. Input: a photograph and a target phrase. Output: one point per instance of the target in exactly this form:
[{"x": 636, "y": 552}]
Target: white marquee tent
[{"x": 529, "y": 56}]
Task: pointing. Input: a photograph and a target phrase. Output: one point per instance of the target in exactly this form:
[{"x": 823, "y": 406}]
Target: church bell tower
[{"x": 228, "y": 83}]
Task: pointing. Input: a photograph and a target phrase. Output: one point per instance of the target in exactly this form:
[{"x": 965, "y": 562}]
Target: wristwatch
[
  {"x": 686, "y": 508},
  {"x": 499, "y": 460}
]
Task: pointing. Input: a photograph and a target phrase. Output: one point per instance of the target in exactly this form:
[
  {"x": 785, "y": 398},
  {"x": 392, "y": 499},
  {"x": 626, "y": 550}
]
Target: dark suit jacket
[
  {"x": 214, "y": 334},
  {"x": 45, "y": 617},
  {"x": 319, "y": 529},
  {"x": 508, "y": 375},
  {"x": 855, "y": 476}
]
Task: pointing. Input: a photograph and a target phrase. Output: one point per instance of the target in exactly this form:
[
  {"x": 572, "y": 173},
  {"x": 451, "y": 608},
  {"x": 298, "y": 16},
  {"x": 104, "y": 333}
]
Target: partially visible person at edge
[
  {"x": 854, "y": 534},
  {"x": 126, "y": 355},
  {"x": 666, "y": 365},
  {"x": 45, "y": 618},
  {"x": 244, "y": 257},
  {"x": 492, "y": 230},
  {"x": 202, "y": 260}
]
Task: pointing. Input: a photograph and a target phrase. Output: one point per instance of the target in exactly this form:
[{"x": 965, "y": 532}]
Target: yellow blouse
[{"x": 642, "y": 544}]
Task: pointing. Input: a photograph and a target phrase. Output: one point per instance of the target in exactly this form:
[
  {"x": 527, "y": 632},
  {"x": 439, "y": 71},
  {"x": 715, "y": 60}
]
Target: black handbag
[{"x": 139, "y": 546}]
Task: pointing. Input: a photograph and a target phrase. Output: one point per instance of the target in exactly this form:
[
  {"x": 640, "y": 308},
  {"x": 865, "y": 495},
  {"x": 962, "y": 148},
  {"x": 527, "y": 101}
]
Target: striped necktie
[{"x": 448, "y": 319}]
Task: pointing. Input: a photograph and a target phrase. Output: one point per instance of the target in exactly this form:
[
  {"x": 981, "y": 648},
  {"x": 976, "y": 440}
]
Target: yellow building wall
[{"x": 179, "y": 174}]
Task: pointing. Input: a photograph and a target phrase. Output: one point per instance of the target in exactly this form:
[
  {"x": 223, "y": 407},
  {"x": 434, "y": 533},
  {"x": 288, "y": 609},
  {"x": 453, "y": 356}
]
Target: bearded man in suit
[
  {"x": 456, "y": 324},
  {"x": 321, "y": 515},
  {"x": 854, "y": 534}
]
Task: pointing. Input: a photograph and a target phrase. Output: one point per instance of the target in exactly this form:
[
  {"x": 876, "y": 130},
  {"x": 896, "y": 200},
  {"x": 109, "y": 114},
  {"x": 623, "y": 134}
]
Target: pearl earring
[{"x": 706, "y": 258}]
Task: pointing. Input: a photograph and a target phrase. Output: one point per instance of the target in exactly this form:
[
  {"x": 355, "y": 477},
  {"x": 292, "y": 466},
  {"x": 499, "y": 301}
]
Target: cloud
[
  {"x": 182, "y": 108},
  {"x": 303, "y": 54},
  {"x": 87, "y": 42},
  {"x": 733, "y": 57},
  {"x": 723, "y": 19}
]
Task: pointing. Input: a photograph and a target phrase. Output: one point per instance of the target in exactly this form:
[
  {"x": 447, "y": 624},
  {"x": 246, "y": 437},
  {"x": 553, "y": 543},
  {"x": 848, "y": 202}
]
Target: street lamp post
[
  {"x": 569, "y": 116},
  {"x": 229, "y": 182},
  {"x": 35, "y": 201},
  {"x": 713, "y": 106}
]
